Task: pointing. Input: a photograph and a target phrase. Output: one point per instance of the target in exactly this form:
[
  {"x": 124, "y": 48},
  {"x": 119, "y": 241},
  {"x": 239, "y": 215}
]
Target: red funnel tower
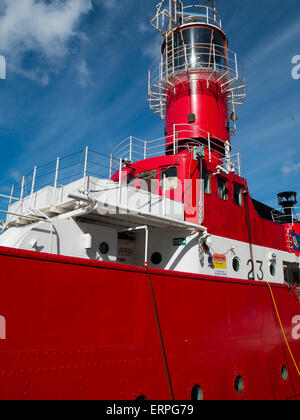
[{"x": 198, "y": 82}]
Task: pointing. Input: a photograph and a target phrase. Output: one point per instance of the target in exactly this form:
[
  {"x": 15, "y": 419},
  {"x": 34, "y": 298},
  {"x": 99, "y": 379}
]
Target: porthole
[
  {"x": 156, "y": 258},
  {"x": 236, "y": 264},
  {"x": 104, "y": 248},
  {"x": 141, "y": 398},
  {"x": 284, "y": 373},
  {"x": 197, "y": 393},
  {"x": 239, "y": 384},
  {"x": 272, "y": 269}
]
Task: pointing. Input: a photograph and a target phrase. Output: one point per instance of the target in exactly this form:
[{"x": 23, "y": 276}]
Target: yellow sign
[{"x": 220, "y": 262}]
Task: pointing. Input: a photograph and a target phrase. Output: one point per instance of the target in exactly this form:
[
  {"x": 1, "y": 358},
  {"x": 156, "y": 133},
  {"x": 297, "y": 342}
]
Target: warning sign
[{"x": 220, "y": 265}]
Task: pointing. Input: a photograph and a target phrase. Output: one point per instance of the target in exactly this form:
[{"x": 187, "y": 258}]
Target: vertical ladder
[{"x": 288, "y": 238}]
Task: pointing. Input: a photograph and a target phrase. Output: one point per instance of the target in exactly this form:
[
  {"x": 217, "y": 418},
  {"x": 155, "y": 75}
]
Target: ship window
[
  {"x": 222, "y": 189},
  {"x": 272, "y": 269},
  {"x": 156, "y": 258},
  {"x": 284, "y": 373},
  {"x": 170, "y": 178},
  {"x": 203, "y": 47},
  {"x": 239, "y": 384},
  {"x": 206, "y": 181},
  {"x": 130, "y": 180},
  {"x": 197, "y": 393},
  {"x": 237, "y": 194},
  {"x": 199, "y": 43},
  {"x": 236, "y": 264},
  {"x": 104, "y": 248},
  {"x": 146, "y": 180}
]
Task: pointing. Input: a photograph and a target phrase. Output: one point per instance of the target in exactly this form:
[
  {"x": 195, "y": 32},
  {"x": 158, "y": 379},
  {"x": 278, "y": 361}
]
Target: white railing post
[
  {"x": 22, "y": 194},
  {"x": 85, "y": 168},
  {"x": 120, "y": 182},
  {"x": 239, "y": 163},
  {"x": 214, "y": 52},
  {"x": 110, "y": 166},
  {"x": 209, "y": 148},
  {"x": 33, "y": 184},
  {"x": 10, "y": 200},
  {"x": 164, "y": 195},
  {"x": 145, "y": 149},
  {"x": 55, "y": 181},
  {"x": 174, "y": 139},
  {"x": 22, "y": 188},
  {"x": 130, "y": 149},
  {"x": 227, "y": 156},
  {"x": 149, "y": 82},
  {"x": 236, "y": 65},
  {"x": 146, "y": 243}
]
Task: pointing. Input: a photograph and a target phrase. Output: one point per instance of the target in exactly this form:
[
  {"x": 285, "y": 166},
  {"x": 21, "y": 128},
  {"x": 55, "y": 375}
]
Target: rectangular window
[
  {"x": 130, "y": 180},
  {"x": 222, "y": 189},
  {"x": 146, "y": 181},
  {"x": 237, "y": 194},
  {"x": 169, "y": 179},
  {"x": 206, "y": 182}
]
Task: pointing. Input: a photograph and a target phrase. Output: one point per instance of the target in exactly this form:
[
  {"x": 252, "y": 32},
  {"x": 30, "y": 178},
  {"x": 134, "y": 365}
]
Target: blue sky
[{"x": 77, "y": 76}]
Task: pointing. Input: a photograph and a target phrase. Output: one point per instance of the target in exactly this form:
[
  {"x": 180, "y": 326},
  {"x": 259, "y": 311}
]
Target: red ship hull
[{"x": 78, "y": 329}]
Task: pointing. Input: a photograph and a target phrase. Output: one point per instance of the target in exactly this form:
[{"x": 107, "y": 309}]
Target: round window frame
[
  {"x": 237, "y": 385},
  {"x": 160, "y": 258},
  {"x": 272, "y": 269},
  {"x": 194, "y": 390},
  {"x": 107, "y": 248},
  {"x": 284, "y": 373},
  {"x": 236, "y": 259}
]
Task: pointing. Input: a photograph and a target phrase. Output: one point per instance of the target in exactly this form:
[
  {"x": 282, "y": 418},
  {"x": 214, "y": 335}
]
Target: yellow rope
[{"x": 281, "y": 326}]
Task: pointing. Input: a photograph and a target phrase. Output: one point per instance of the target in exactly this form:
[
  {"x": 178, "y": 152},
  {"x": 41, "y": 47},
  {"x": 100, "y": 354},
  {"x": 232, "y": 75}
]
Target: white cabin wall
[{"x": 68, "y": 239}]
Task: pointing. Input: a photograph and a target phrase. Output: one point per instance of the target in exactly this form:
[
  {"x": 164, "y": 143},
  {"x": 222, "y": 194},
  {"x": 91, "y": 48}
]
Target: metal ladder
[{"x": 288, "y": 239}]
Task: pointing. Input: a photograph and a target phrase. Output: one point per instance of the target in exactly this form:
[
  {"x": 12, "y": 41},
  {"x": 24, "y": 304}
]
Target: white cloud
[
  {"x": 40, "y": 27},
  {"x": 152, "y": 49},
  {"x": 269, "y": 48},
  {"x": 15, "y": 175},
  {"x": 290, "y": 167},
  {"x": 108, "y": 4},
  {"x": 84, "y": 75},
  {"x": 143, "y": 27}
]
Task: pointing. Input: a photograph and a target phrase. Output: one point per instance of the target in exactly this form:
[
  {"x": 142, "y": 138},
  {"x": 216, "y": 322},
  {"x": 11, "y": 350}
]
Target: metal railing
[
  {"x": 133, "y": 149},
  {"x": 200, "y": 14},
  {"x": 215, "y": 63},
  {"x": 56, "y": 175},
  {"x": 292, "y": 216},
  {"x": 176, "y": 15},
  {"x": 89, "y": 163}
]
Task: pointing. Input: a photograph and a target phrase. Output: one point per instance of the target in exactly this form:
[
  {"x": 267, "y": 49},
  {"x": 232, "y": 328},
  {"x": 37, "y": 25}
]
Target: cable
[
  {"x": 281, "y": 326},
  {"x": 160, "y": 334}
]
